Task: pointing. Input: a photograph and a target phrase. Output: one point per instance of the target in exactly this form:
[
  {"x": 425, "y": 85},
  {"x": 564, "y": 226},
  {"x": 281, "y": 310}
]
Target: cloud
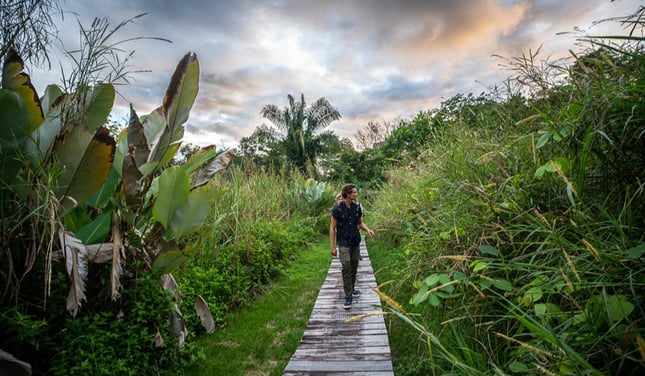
[{"x": 373, "y": 60}]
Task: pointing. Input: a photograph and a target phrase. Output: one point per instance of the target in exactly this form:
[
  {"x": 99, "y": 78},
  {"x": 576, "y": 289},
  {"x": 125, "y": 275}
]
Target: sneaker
[
  {"x": 348, "y": 303},
  {"x": 356, "y": 293}
]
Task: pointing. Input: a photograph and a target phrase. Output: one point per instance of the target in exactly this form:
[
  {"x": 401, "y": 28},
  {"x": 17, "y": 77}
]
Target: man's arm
[
  {"x": 363, "y": 227},
  {"x": 332, "y": 236}
]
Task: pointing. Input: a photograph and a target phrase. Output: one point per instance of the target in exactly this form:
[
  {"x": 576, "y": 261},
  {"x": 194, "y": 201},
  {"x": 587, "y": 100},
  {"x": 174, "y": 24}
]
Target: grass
[
  {"x": 408, "y": 353},
  {"x": 260, "y": 339}
]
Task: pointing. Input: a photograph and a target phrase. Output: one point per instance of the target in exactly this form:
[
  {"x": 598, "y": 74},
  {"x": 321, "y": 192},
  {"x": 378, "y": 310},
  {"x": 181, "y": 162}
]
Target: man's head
[{"x": 348, "y": 190}]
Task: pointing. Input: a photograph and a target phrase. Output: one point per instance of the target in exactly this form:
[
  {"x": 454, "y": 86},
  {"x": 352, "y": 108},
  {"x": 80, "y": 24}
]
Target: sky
[{"x": 373, "y": 60}]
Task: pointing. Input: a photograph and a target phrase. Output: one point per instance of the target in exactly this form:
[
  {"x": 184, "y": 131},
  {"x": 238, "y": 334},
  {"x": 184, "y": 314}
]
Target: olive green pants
[{"x": 349, "y": 262}]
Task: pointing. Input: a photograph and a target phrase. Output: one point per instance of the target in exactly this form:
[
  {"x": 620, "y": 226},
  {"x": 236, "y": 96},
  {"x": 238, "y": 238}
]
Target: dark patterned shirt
[{"x": 347, "y": 232}]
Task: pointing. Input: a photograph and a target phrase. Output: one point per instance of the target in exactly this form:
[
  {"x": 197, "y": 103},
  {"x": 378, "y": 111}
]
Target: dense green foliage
[
  {"x": 520, "y": 227},
  {"x": 262, "y": 337}
]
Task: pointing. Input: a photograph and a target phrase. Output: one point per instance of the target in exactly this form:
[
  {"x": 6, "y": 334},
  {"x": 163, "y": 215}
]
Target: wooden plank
[
  {"x": 334, "y": 342},
  {"x": 340, "y": 366}
]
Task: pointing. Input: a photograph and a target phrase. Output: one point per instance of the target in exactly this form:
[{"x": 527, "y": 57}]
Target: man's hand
[
  {"x": 370, "y": 232},
  {"x": 333, "y": 252}
]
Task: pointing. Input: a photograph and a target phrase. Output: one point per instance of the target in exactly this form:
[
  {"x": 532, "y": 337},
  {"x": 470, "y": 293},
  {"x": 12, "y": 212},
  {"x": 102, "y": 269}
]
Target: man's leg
[
  {"x": 346, "y": 263},
  {"x": 354, "y": 255}
]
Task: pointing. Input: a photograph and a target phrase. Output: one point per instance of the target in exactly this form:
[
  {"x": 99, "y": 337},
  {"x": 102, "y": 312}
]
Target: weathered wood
[{"x": 334, "y": 342}]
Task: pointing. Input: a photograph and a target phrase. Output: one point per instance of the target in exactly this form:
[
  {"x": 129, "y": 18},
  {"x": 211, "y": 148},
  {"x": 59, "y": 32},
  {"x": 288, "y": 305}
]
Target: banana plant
[
  {"x": 108, "y": 189},
  {"x": 61, "y": 132},
  {"x": 147, "y": 199}
]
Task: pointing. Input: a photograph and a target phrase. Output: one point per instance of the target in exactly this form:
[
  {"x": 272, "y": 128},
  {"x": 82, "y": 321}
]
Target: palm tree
[{"x": 303, "y": 130}]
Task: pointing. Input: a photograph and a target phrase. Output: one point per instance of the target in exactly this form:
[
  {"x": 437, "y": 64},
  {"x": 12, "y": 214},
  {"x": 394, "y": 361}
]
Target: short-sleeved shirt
[{"x": 347, "y": 219}]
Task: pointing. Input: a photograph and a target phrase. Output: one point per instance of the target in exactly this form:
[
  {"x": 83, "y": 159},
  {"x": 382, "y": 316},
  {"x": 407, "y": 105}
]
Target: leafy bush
[{"x": 121, "y": 337}]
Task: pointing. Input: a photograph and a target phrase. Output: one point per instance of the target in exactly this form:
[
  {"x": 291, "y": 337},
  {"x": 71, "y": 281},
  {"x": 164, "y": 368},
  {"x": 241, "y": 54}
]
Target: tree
[
  {"x": 263, "y": 148},
  {"x": 374, "y": 134},
  {"x": 302, "y": 134}
]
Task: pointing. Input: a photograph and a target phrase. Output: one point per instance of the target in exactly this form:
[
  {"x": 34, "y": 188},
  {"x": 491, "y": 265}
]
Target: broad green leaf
[
  {"x": 76, "y": 219},
  {"x": 14, "y": 131},
  {"x": 173, "y": 188},
  {"x": 107, "y": 191},
  {"x": 84, "y": 151},
  {"x": 182, "y": 91},
  {"x": 558, "y": 164},
  {"x": 17, "y": 81},
  {"x": 533, "y": 294},
  {"x": 121, "y": 151},
  {"x": 97, "y": 230},
  {"x": 543, "y": 140},
  {"x": 503, "y": 284},
  {"x": 542, "y": 309},
  {"x": 153, "y": 125},
  {"x": 635, "y": 252},
  {"x": 431, "y": 280},
  {"x": 85, "y": 166},
  {"x": 484, "y": 284},
  {"x": 420, "y": 296},
  {"x": 201, "y": 157},
  {"x": 169, "y": 261},
  {"x": 192, "y": 213},
  {"x": 444, "y": 278},
  {"x": 165, "y": 147},
  {"x": 486, "y": 249},
  {"x": 517, "y": 367},
  {"x": 98, "y": 104},
  {"x": 478, "y": 265},
  {"x": 459, "y": 276},
  {"x": 609, "y": 308},
  {"x": 434, "y": 300},
  {"x": 42, "y": 140}
]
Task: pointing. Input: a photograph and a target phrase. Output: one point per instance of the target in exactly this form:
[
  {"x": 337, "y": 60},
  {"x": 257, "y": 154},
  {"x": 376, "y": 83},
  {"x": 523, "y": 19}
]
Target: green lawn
[{"x": 260, "y": 339}]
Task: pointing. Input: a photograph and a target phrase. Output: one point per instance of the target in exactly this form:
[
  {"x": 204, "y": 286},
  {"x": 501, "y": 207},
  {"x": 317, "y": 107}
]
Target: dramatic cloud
[{"x": 373, "y": 60}]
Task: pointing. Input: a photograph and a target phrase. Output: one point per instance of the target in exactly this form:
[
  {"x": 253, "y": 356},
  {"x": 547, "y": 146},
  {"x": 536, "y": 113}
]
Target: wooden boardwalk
[{"x": 332, "y": 346}]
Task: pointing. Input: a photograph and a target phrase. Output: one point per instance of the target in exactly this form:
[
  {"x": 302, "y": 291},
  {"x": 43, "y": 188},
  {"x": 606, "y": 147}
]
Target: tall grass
[
  {"x": 259, "y": 225},
  {"x": 520, "y": 231}
]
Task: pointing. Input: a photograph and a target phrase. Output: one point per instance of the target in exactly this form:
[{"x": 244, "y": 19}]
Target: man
[{"x": 346, "y": 220}]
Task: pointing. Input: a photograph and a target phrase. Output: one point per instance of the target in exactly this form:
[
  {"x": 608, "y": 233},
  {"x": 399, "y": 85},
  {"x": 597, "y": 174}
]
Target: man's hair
[{"x": 347, "y": 189}]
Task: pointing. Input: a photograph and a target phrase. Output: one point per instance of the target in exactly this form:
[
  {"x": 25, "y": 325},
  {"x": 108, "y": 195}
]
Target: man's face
[{"x": 353, "y": 194}]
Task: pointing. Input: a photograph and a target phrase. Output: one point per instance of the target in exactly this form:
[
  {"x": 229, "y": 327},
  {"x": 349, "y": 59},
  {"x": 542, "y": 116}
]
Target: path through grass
[{"x": 260, "y": 339}]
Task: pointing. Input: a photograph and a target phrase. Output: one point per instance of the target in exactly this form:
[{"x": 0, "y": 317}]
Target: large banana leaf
[
  {"x": 182, "y": 91},
  {"x": 190, "y": 215},
  {"x": 173, "y": 188},
  {"x": 169, "y": 261},
  {"x": 84, "y": 152},
  {"x": 177, "y": 103},
  {"x": 153, "y": 124},
  {"x": 52, "y": 93},
  {"x": 216, "y": 165},
  {"x": 137, "y": 140},
  {"x": 85, "y": 166},
  {"x": 14, "y": 131},
  {"x": 97, "y": 230},
  {"x": 42, "y": 140},
  {"x": 204, "y": 313},
  {"x": 14, "y": 79}
]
